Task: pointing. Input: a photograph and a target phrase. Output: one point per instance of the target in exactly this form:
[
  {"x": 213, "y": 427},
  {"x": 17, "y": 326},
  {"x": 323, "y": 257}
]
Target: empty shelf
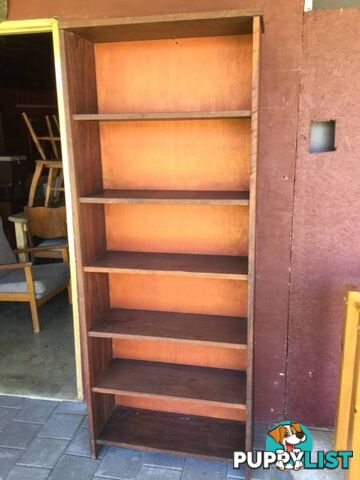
[
  {"x": 138, "y": 116},
  {"x": 183, "y": 327},
  {"x": 149, "y": 379},
  {"x": 198, "y": 24},
  {"x": 188, "y": 197},
  {"x": 170, "y": 432},
  {"x": 223, "y": 266}
]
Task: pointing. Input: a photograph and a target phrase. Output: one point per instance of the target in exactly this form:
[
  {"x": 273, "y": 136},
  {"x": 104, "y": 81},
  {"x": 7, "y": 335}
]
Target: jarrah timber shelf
[
  {"x": 166, "y": 326},
  {"x": 162, "y": 115},
  {"x": 171, "y": 197},
  {"x": 173, "y": 381},
  {"x": 103, "y": 117},
  {"x": 173, "y": 433},
  {"x": 170, "y": 263}
]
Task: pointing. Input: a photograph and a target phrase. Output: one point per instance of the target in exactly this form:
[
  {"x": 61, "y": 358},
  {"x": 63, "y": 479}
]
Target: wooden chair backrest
[
  {"x": 46, "y": 222},
  {"x": 52, "y": 137},
  {"x": 34, "y": 136}
]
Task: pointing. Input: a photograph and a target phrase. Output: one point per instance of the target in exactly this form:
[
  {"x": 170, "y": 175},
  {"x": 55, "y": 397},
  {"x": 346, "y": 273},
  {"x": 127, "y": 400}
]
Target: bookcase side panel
[{"x": 77, "y": 57}]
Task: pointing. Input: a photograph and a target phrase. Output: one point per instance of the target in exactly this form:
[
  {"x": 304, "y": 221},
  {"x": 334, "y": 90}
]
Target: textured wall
[
  {"x": 280, "y": 71},
  {"x": 3, "y": 9},
  {"x": 326, "y": 239}
]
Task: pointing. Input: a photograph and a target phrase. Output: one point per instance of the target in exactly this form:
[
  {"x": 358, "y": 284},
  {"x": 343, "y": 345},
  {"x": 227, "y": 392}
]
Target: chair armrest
[
  {"x": 14, "y": 266},
  {"x": 64, "y": 250},
  {"x": 27, "y": 271},
  {"x": 41, "y": 249}
]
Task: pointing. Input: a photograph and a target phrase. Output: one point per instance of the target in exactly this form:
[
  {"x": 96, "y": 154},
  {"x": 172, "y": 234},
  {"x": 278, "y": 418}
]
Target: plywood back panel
[
  {"x": 189, "y": 74},
  {"x": 205, "y": 229},
  {"x": 230, "y": 412},
  {"x": 102, "y": 407},
  {"x": 179, "y": 155},
  {"x": 179, "y": 294},
  {"x": 92, "y": 220},
  {"x": 181, "y": 353},
  {"x": 96, "y": 289}
]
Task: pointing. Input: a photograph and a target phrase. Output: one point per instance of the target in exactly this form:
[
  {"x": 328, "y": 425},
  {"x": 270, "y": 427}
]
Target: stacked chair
[{"x": 46, "y": 227}]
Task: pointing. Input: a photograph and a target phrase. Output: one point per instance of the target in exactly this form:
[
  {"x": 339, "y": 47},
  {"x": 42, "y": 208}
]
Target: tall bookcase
[{"x": 162, "y": 136}]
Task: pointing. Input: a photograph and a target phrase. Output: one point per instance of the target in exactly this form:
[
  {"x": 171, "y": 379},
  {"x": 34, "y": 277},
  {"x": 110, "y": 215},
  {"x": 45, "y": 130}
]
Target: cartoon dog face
[{"x": 288, "y": 435}]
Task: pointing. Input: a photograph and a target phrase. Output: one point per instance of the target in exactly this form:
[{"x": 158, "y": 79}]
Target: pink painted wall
[{"x": 326, "y": 236}]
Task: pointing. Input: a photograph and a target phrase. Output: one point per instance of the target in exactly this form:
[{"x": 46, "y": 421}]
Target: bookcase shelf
[
  {"x": 186, "y": 434},
  {"x": 167, "y": 326},
  {"x": 132, "y": 377},
  {"x": 197, "y": 24},
  {"x": 175, "y": 197},
  {"x": 163, "y": 120},
  {"x": 229, "y": 267},
  {"x": 139, "y": 116}
]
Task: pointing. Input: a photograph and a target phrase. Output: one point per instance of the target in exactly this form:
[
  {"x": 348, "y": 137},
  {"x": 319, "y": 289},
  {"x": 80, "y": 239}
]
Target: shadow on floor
[{"x": 40, "y": 364}]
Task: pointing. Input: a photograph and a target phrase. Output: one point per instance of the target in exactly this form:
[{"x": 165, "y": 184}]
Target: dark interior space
[
  {"x": 27, "y": 84},
  {"x": 35, "y": 361}
]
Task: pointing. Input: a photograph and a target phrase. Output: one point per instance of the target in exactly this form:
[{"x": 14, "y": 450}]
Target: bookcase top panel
[{"x": 200, "y": 24}]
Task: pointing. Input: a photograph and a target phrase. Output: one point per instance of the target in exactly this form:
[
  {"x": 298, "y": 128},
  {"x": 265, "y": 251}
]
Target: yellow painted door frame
[{"x": 49, "y": 25}]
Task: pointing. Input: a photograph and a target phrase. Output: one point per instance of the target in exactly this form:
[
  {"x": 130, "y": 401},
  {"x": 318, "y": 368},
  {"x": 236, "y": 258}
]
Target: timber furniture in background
[
  {"x": 162, "y": 116},
  {"x": 21, "y": 235},
  {"x": 55, "y": 181},
  {"x": 48, "y": 225},
  {"x": 34, "y": 284}
]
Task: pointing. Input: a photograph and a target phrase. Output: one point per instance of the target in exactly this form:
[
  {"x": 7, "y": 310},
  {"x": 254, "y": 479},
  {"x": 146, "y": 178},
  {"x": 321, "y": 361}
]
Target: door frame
[{"x": 50, "y": 25}]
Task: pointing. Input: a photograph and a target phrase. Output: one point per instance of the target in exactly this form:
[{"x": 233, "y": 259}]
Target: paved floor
[
  {"x": 48, "y": 440},
  {"x": 37, "y": 364}
]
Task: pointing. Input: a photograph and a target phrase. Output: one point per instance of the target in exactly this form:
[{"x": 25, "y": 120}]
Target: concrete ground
[
  {"x": 322, "y": 441},
  {"x": 48, "y": 440},
  {"x": 37, "y": 364}
]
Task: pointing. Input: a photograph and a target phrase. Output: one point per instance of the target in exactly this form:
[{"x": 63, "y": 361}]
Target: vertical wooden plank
[
  {"x": 347, "y": 372},
  {"x": 354, "y": 472},
  {"x": 79, "y": 86},
  {"x": 252, "y": 221}
]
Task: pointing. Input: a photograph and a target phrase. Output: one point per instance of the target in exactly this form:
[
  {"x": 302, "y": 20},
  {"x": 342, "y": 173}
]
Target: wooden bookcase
[{"x": 162, "y": 136}]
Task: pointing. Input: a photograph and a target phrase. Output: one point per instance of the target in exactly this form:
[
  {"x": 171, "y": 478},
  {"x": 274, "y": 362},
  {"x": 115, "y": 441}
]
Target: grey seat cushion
[
  {"x": 53, "y": 241},
  {"x": 6, "y": 254},
  {"x": 46, "y": 278}
]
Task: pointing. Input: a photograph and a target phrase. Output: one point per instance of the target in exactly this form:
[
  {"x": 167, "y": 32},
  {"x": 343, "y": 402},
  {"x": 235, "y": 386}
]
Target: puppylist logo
[
  {"x": 289, "y": 441},
  {"x": 288, "y": 447}
]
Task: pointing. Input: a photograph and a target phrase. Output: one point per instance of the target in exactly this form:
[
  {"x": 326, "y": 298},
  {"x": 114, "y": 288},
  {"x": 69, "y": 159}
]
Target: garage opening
[{"x": 37, "y": 342}]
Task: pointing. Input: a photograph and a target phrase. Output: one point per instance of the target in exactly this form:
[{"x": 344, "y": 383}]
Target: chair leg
[
  {"x": 32, "y": 298},
  {"x": 49, "y": 186},
  {"x": 69, "y": 294},
  {"x": 34, "y": 183},
  {"x": 34, "y": 315}
]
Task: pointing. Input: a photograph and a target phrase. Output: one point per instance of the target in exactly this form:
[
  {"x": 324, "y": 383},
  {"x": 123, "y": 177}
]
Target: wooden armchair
[{"x": 24, "y": 282}]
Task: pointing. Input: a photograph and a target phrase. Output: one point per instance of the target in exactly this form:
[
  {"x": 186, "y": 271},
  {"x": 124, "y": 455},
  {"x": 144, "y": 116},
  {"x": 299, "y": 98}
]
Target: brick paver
[{"x": 49, "y": 440}]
